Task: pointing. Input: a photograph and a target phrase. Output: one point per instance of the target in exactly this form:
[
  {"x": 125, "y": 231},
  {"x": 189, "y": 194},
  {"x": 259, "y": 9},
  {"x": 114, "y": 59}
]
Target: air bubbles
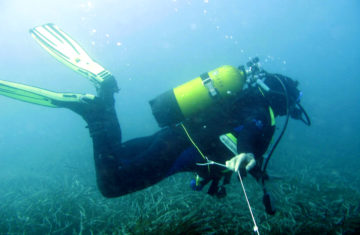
[
  {"x": 206, "y": 1},
  {"x": 93, "y": 32},
  {"x": 93, "y": 43},
  {"x": 118, "y": 44},
  {"x": 87, "y": 6},
  {"x": 275, "y": 60}
]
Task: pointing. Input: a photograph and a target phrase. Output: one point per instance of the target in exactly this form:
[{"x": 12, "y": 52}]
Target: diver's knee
[{"x": 108, "y": 192}]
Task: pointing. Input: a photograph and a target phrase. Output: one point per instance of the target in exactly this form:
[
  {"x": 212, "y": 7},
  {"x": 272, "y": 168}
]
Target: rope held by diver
[
  {"x": 208, "y": 163},
  {"x": 256, "y": 228}
]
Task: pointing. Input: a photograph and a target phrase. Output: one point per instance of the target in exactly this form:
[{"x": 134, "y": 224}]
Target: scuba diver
[{"x": 224, "y": 116}]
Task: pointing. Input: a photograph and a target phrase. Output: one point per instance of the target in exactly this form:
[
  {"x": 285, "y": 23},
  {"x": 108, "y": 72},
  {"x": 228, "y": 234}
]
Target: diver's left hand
[{"x": 243, "y": 162}]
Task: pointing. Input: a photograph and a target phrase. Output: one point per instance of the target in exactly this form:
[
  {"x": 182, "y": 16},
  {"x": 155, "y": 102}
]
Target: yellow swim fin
[
  {"x": 39, "y": 96},
  {"x": 67, "y": 51}
]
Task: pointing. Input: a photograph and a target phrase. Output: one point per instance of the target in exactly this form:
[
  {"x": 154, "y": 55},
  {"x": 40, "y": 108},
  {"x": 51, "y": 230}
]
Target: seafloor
[{"x": 312, "y": 197}]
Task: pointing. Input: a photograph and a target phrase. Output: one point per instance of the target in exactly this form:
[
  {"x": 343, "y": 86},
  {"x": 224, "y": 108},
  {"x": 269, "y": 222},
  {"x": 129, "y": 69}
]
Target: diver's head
[{"x": 277, "y": 97}]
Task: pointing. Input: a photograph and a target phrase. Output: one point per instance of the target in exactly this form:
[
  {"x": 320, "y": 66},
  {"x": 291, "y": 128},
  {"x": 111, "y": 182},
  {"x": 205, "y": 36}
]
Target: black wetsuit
[{"x": 123, "y": 168}]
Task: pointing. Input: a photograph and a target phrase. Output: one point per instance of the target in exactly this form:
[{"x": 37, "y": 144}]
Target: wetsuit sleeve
[
  {"x": 251, "y": 136},
  {"x": 254, "y": 136}
]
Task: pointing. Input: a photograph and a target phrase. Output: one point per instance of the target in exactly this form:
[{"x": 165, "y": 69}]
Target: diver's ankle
[{"x": 108, "y": 87}]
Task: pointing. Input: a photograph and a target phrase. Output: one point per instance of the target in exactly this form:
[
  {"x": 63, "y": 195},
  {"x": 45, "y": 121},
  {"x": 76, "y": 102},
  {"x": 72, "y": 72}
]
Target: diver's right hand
[{"x": 243, "y": 162}]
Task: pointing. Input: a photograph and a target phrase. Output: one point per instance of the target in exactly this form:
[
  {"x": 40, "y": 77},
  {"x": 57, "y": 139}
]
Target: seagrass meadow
[{"x": 308, "y": 201}]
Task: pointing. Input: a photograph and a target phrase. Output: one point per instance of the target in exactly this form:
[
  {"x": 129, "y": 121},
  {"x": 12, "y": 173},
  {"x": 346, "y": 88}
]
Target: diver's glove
[{"x": 243, "y": 162}]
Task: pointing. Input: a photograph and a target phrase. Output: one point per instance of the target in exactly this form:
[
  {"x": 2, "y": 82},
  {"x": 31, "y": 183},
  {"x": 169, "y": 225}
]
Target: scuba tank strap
[{"x": 209, "y": 84}]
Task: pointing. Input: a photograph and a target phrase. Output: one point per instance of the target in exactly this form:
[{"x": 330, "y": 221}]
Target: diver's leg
[
  {"x": 102, "y": 122},
  {"x": 134, "y": 165},
  {"x": 141, "y": 163},
  {"x": 120, "y": 169},
  {"x": 123, "y": 168}
]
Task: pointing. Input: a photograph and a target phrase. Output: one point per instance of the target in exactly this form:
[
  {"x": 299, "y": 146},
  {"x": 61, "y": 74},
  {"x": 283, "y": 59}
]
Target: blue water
[{"x": 152, "y": 46}]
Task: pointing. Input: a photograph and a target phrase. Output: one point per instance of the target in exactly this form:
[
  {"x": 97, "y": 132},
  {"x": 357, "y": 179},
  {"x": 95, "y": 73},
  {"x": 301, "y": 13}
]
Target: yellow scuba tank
[{"x": 197, "y": 95}]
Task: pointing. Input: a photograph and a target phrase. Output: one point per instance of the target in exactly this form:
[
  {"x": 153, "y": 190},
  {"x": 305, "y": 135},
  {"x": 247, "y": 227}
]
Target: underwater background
[{"x": 47, "y": 176}]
